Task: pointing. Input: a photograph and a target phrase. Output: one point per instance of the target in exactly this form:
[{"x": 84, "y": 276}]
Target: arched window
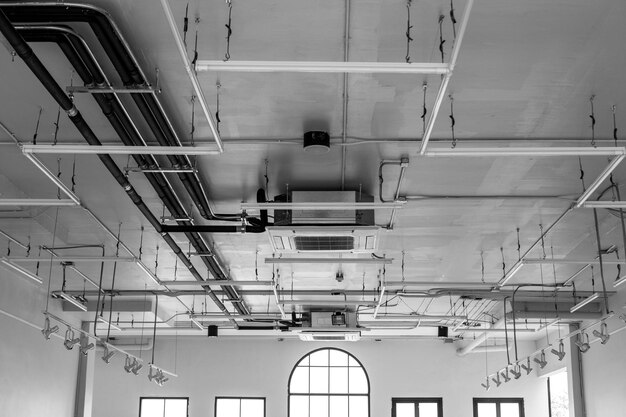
[{"x": 329, "y": 383}]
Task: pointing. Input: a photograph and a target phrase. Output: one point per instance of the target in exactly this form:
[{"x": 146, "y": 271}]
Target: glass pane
[
  {"x": 152, "y": 407},
  {"x": 252, "y": 407},
  {"x": 509, "y": 410},
  {"x": 338, "y": 406},
  {"x": 486, "y": 410},
  {"x": 319, "y": 358},
  {"x": 338, "y": 358},
  {"x": 299, "y": 380},
  {"x": 304, "y": 361},
  {"x": 227, "y": 407},
  {"x": 319, "y": 406},
  {"x": 339, "y": 380},
  {"x": 319, "y": 380},
  {"x": 559, "y": 396},
  {"x": 175, "y": 408},
  {"x": 428, "y": 409},
  {"x": 358, "y": 407},
  {"x": 298, "y": 406},
  {"x": 405, "y": 410},
  {"x": 352, "y": 362},
  {"x": 358, "y": 381}
]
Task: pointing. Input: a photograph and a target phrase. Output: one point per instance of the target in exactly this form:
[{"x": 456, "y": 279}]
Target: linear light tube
[
  {"x": 323, "y": 67},
  {"x": 72, "y": 301},
  {"x": 328, "y": 261},
  {"x": 584, "y": 302},
  {"x": 24, "y": 272}
]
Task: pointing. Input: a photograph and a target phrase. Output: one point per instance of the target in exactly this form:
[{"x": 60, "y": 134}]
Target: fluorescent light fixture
[
  {"x": 619, "y": 282},
  {"x": 145, "y": 269},
  {"x": 328, "y": 260},
  {"x": 598, "y": 181},
  {"x": 584, "y": 302},
  {"x": 72, "y": 301},
  {"x": 210, "y": 282},
  {"x": 380, "y": 301},
  {"x": 119, "y": 150},
  {"x": 511, "y": 273},
  {"x": 326, "y": 303},
  {"x": 524, "y": 151},
  {"x": 105, "y": 321},
  {"x": 36, "y": 202},
  {"x": 24, "y": 272},
  {"x": 196, "y": 322},
  {"x": 337, "y": 205},
  {"x": 324, "y": 67}
]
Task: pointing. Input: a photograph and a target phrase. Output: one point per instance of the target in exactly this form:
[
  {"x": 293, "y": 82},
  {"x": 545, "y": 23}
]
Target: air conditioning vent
[
  {"x": 328, "y": 239},
  {"x": 330, "y": 336},
  {"x": 324, "y": 243}
]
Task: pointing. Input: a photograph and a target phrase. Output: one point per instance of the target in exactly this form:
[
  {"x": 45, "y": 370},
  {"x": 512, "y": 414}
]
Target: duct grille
[{"x": 324, "y": 243}]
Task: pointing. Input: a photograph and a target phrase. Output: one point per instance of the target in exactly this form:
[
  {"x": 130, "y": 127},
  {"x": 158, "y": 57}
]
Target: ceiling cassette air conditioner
[
  {"x": 324, "y": 239},
  {"x": 330, "y": 336}
]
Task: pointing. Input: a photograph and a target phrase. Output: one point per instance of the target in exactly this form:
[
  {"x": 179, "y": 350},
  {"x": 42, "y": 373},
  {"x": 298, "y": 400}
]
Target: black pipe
[
  {"x": 130, "y": 76},
  {"x": 80, "y": 58},
  {"x": 26, "y": 53},
  {"x": 210, "y": 228}
]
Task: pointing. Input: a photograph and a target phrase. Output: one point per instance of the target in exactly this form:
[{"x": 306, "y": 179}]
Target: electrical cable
[{"x": 409, "y": 39}]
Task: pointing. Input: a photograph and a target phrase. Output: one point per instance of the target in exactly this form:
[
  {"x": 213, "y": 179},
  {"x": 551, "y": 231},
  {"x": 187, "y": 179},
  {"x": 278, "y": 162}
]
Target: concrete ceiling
[{"x": 525, "y": 74}]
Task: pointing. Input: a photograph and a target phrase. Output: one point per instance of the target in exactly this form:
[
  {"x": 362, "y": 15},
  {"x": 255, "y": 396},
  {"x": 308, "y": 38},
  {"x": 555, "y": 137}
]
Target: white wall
[
  {"x": 247, "y": 367},
  {"x": 604, "y": 370},
  {"x": 37, "y": 377}
]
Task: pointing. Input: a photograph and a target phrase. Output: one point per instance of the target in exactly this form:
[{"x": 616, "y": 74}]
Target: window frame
[
  {"x": 230, "y": 397},
  {"x": 416, "y": 401},
  {"x": 498, "y": 401},
  {"x": 310, "y": 394},
  {"x": 164, "y": 399}
]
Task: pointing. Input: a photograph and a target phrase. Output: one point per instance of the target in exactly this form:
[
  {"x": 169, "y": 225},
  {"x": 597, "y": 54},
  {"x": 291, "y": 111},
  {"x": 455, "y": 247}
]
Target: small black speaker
[
  {"x": 442, "y": 331},
  {"x": 212, "y": 332}
]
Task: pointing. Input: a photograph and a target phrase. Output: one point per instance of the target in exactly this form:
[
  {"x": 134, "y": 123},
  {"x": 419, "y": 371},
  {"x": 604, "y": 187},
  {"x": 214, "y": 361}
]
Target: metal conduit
[
  {"x": 83, "y": 61},
  {"x": 38, "y": 69}
]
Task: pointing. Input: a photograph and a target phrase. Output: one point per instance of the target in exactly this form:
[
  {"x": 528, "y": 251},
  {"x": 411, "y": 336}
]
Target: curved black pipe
[
  {"x": 83, "y": 62},
  {"x": 32, "y": 61},
  {"x": 130, "y": 75}
]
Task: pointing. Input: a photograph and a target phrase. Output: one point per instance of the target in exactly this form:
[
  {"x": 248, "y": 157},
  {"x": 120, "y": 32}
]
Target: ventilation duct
[{"x": 330, "y": 336}]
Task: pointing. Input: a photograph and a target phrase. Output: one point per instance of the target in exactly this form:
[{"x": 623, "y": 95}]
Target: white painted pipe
[{"x": 322, "y": 206}]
